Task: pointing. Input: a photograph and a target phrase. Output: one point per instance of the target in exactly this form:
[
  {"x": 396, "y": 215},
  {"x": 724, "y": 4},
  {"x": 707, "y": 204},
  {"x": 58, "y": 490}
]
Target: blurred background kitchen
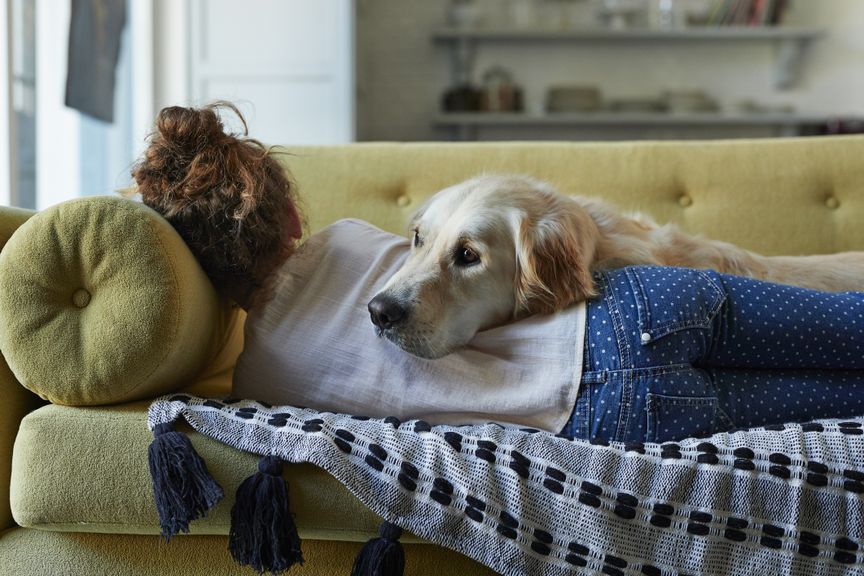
[{"x": 81, "y": 80}]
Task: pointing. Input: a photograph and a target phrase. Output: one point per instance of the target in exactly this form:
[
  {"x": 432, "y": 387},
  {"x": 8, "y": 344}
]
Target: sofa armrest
[
  {"x": 101, "y": 302},
  {"x": 15, "y": 400},
  {"x": 15, "y": 403}
]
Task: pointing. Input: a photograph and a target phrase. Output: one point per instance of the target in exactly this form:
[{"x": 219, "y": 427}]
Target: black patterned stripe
[{"x": 815, "y": 475}]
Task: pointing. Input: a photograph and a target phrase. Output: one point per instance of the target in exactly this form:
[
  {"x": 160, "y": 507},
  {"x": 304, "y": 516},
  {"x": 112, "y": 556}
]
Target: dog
[{"x": 500, "y": 247}]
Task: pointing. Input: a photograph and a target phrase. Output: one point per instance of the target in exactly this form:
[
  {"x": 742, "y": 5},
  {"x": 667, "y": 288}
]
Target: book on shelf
[{"x": 747, "y": 12}]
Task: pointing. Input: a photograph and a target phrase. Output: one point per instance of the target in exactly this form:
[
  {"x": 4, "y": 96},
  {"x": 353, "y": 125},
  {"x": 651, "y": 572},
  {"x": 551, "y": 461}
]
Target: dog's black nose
[{"x": 385, "y": 311}]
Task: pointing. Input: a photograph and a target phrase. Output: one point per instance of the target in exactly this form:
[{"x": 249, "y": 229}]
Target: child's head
[{"x": 226, "y": 195}]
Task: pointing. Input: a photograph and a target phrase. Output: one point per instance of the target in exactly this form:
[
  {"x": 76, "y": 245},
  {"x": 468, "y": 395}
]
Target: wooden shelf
[
  {"x": 626, "y": 119},
  {"x": 792, "y": 41},
  {"x": 464, "y": 125},
  {"x": 731, "y": 33}
]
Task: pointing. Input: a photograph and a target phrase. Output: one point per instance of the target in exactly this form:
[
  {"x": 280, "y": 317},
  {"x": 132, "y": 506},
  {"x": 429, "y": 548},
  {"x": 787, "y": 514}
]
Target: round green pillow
[{"x": 102, "y": 302}]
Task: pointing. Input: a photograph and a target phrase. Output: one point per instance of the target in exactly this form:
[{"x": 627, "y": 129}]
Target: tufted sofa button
[
  {"x": 403, "y": 200},
  {"x": 685, "y": 200},
  {"x": 81, "y": 298},
  {"x": 832, "y": 202}
]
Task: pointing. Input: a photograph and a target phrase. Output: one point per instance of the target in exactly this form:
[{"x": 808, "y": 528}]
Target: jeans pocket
[
  {"x": 672, "y": 299},
  {"x": 678, "y": 417}
]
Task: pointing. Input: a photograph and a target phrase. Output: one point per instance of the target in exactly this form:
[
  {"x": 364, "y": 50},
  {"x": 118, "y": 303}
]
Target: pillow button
[
  {"x": 685, "y": 201},
  {"x": 81, "y": 298},
  {"x": 403, "y": 200},
  {"x": 832, "y": 202}
]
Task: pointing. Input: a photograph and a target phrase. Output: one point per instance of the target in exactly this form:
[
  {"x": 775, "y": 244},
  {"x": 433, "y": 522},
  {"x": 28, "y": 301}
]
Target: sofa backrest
[
  {"x": 791, "y": 196},
  {"x": 775, "y": 196}
]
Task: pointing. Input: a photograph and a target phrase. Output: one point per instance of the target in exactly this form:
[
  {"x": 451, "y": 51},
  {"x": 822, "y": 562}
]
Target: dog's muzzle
[{"x": 386, "y": 312}]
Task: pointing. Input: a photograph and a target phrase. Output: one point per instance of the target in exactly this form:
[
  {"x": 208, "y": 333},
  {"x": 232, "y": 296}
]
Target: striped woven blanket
[{"x": 777, "y": 500}]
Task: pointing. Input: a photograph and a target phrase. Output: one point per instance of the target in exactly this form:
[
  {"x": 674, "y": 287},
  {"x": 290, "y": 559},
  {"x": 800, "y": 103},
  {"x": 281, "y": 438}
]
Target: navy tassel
[
  {"x": 263, "y": 534},
  {"x": 182, "y": 486},
  {"x": 382, "y": 556}
]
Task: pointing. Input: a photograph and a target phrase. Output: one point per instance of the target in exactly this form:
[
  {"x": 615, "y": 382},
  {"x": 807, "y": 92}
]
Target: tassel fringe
[
  {"x": 263, "y": 535},
  {"x": 382, "y": 556},
  {"x": 182, "y": 486}
]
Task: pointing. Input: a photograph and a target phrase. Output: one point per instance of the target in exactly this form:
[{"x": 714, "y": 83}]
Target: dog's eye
[
  {"x": 416, "y": 241},
  {"x": 466, "y": 257}
]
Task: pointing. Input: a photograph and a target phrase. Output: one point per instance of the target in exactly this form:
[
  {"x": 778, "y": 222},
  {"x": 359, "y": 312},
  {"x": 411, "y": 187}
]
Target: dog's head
[{"x": 484, "y": 252}]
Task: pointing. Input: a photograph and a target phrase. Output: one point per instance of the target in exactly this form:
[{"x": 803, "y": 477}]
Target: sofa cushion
[
  {"x": 102, "y": 302},
  {"x": 85, "y": 470},
  {"x": 27, "y": 552}
]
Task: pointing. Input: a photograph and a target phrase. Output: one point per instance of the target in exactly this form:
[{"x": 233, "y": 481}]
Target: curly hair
[{"x": 225, "y": 194}]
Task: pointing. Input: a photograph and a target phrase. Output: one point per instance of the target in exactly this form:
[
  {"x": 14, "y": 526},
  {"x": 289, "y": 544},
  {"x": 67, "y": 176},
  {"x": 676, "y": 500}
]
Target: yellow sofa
[{"x": 75, "y": 495}]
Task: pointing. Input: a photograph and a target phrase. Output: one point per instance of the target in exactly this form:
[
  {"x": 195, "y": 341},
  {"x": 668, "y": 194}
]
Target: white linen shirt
[{"x": 313, "y": 344}]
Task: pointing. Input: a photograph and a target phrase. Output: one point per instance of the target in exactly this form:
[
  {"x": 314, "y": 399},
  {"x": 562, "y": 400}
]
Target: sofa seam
[{"x": 155, "y": 527}]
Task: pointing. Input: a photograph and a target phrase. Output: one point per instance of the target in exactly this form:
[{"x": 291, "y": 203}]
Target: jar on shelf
[
  {"x": 500, "y": 93},
  {"x": 622, "y": 14},
  {"x": 667, "y": 14},
  {"x": 461, "y": 98}
]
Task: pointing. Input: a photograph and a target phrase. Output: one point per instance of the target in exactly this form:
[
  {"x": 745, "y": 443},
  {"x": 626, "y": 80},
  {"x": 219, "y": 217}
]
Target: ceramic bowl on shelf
[
  {"x": 622, "y": 14},
  {"x": 637, "y": 105},
  {"x": 573, "y": 99},
  {"x": 698, "y": 12},
  {"x": 754, "y": 107},
  {"x": 689, "y": 102}
]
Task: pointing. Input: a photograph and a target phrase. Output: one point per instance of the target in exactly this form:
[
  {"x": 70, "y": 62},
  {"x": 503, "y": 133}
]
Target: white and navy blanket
[{"x": 783, "y": 500}]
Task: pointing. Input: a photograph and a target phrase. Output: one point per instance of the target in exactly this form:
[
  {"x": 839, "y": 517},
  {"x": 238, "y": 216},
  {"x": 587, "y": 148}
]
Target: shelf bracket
[{"x": 790, "y": 55}]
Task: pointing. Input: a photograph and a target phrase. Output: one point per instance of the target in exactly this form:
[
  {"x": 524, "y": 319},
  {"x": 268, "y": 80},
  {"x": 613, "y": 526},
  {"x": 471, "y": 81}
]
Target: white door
[{"x": 288, "y": 64}]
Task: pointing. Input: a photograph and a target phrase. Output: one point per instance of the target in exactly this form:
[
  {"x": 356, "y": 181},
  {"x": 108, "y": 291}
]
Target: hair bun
[
  {"x": 189, "y": 153},
  {"x": 189, "y": 129}
]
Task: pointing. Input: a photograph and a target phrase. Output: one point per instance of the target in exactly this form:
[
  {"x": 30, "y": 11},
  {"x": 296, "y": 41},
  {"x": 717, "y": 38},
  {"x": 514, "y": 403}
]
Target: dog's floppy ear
[{"x": 554, "y": 254}]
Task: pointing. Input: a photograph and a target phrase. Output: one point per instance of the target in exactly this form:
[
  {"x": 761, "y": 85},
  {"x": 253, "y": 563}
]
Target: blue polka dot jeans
[{"x": 672, "y": 353}]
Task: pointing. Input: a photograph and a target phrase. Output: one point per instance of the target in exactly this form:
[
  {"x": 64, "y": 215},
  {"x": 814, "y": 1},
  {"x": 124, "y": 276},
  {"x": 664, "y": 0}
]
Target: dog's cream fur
[{"x": 537, "y": 249}]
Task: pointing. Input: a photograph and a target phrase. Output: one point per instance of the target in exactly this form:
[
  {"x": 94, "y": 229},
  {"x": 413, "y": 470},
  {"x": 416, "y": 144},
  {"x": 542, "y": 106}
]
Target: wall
[
  {"x": 401, "y": 73},
  {"x": 834, "y": 72}
]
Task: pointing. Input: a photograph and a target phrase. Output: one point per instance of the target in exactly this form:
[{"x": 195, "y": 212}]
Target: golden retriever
[{"x": 500, "y": 247}]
